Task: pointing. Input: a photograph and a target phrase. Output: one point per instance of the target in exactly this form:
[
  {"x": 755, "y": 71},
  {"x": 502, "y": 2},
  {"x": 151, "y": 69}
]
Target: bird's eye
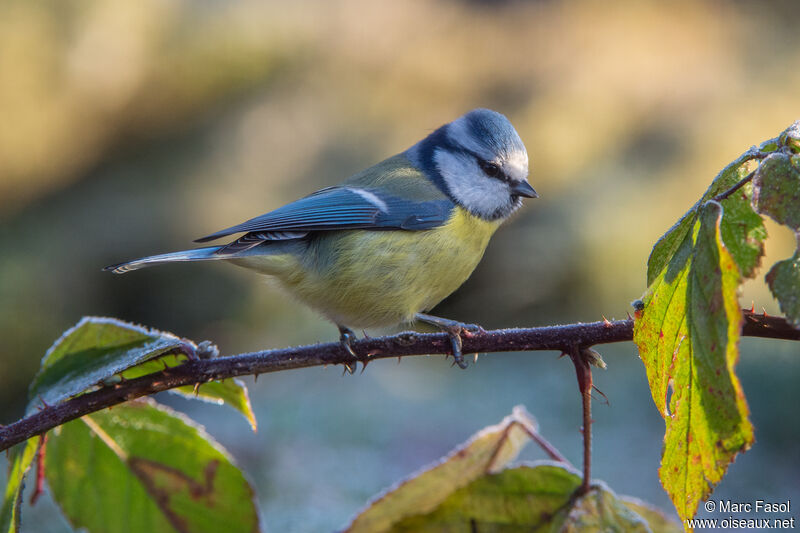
[{"x": 492, "y": 170}]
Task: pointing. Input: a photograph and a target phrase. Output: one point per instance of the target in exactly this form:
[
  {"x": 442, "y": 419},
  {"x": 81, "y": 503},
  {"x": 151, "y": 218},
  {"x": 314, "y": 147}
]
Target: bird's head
[{"x": 480, "y": 162}]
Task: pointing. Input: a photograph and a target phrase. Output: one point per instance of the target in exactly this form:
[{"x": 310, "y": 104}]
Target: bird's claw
[
  {"x": 346, "y": 338},
  {"x": 456, "y": 344},
  {"x": 454, "y": 330}
]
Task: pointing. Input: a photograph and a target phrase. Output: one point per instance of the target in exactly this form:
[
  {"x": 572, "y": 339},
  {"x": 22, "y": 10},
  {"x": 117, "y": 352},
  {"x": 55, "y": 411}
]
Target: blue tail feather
[{"x": 198, "y": 254}]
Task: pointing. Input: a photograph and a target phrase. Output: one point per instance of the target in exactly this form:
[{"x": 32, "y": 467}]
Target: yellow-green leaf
[
  {"x": 743, "y": 232},
  {"x": 532, "y": 498},
  {"x": 487, "y": 451},
  {"x": 688, "y": 336},
  {"x": 232, "y": 392},
  {"x": 600, "y": 511},
  {"x": 525, "y": 498},
  {"x": 141, "y": 467},
  {"x": 100, "y": 349},
  {"x": 93, "y": 350},
  {"x": 656, "y": 519},
  {"x": 20, "y": 459}
]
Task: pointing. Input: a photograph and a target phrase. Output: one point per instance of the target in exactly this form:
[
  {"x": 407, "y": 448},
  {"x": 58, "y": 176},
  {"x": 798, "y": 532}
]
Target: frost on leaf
[{"x": 688, "y": 336}]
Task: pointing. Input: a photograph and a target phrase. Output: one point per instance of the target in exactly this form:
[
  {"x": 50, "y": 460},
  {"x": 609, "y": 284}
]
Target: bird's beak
[{"x": 523, "y": 188}]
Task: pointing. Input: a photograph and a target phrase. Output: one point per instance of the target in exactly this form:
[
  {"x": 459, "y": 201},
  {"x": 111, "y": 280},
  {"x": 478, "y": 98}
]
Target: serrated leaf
[
  {"x": 777, "y": 190},
  {"x": 531, "y": 498},
  {"x": 20, "y": 459},
  {"x": 784, "y": 282},
  {"x": 94, "y": 350},
  {"x": 487, "y": 451},
  {"x": 743, "y": 231},
  {"x": 232, "y": 392},
  {"x": 141, "y": 467},
  {"x": 688, "y": 336}
]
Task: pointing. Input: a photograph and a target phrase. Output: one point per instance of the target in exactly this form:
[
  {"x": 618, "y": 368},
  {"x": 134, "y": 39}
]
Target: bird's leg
[
  {"x": 346, "y": 338},
  {"x": 454, "y": 330}
]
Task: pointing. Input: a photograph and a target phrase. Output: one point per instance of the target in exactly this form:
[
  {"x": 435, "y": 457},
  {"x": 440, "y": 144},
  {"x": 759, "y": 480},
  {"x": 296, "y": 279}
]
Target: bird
[{"x": 389, "y": 243}]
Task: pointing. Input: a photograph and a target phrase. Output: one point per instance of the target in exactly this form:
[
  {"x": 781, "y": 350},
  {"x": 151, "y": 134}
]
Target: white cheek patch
[
  {"x": 470, "y": 187},
  {"x": 371, "y": 198}
]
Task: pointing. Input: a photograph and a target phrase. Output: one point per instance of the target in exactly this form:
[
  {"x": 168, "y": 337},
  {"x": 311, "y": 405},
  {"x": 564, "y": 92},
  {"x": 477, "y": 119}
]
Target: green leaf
[
  {"x": 777, "y": 190},
  {"x": 666, "y": 247},
  {"x": 743, "y": 230},
  {"x": 656, "y": 519},
  {"x": 777, "y": 194},
  {"x": 784, "y": 282},
  {"x": 97, "y": 349},
  {"x": 530, "y": 498},
  {"x": 20, "y": 459},
  {"x": 688, "y": 336},
  {"x": 487, "y": 451},
  {"x": 94, "y": 350},
  {"x": 601, "y": 511},
  {"x": 232, "y": 392},
  {"x": 141, "y": 467},
  {"x": 790, "y": 138},
  {"x": 470, "y": 491},
  {"x": 525, "y": 498}
]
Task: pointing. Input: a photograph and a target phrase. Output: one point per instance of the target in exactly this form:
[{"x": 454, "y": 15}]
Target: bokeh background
[{"x": 133, "y": 128}]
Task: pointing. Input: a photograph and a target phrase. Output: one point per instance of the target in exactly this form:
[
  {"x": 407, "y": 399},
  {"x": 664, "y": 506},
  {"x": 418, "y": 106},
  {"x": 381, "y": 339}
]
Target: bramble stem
[
  {"x": 549, "y": 338},
  {"x": 583, "y": 371}
]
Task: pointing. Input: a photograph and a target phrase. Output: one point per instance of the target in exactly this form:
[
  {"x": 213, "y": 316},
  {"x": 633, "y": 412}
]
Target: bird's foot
[
  {"x": 346, "y": 338},
  {"x": 454, "y": 330}
]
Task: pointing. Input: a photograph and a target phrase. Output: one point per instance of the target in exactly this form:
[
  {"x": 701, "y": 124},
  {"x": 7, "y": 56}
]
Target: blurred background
[{"x": 132, "y": 128}]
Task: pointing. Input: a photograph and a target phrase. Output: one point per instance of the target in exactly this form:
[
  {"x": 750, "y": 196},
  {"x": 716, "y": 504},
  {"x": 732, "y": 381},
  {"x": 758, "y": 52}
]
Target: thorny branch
[{"x": 556, "y": 338}]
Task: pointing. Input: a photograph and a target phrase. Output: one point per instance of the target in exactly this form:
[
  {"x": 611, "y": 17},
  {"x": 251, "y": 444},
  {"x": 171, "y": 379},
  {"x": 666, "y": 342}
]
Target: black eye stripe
[{"x": 493, "y": 170}]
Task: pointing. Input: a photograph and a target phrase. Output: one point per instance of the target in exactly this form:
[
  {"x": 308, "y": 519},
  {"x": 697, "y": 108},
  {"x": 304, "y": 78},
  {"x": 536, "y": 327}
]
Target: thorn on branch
[
  {"x": 44, "y": 405},
  {"x": 605, "y": 398}
]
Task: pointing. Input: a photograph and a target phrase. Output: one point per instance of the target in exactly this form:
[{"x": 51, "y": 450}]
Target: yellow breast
[{"x": 378, "y": 278}]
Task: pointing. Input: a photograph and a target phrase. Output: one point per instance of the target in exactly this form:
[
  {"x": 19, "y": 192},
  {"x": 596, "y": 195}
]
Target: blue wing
[{"x": 336, "y": 208}]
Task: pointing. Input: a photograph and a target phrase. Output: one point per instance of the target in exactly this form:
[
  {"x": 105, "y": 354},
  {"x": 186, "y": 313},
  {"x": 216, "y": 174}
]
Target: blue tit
[{"x": 393, "y": 240}]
